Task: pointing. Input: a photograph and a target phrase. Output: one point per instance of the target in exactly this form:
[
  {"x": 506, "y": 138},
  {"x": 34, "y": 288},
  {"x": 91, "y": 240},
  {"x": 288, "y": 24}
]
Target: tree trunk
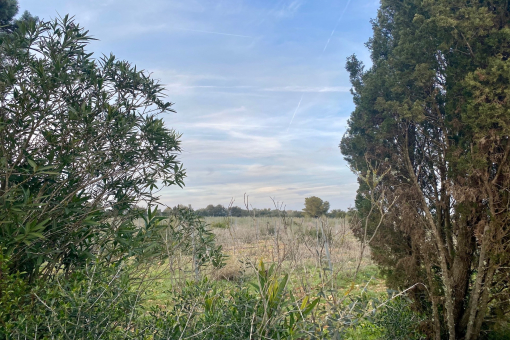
[{"x": 441, "y": 247}]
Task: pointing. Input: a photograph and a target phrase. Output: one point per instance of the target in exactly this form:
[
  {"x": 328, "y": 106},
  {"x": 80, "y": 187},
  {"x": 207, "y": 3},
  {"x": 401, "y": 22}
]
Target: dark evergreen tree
[
  {"x": 8, "y": 10},
  {"x": 433, "y": 115}
]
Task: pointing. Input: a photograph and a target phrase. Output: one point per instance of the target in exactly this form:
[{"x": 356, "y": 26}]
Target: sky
[{"x": 259, "y": 87}]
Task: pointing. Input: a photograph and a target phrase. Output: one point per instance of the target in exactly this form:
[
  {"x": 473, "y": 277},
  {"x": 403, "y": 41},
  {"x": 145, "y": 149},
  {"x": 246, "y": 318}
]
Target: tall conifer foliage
[{"x": 433, "y": 114}]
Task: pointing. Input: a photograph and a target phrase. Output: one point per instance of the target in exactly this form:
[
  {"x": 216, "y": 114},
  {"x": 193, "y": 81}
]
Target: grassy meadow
[
  {"x": 320, "y": 257},
  {"x": 314, "y": 252}
]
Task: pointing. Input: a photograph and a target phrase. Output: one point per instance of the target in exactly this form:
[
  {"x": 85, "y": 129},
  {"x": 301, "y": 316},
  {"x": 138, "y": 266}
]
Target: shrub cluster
[{"x": 100, "y": 302}]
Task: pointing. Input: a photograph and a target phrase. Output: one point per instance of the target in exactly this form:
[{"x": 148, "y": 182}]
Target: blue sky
[{"x": 260, "y": 89}]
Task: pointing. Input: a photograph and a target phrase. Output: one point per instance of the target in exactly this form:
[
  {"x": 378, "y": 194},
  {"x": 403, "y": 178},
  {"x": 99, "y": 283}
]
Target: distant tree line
[{"x": 223, "y": 211}]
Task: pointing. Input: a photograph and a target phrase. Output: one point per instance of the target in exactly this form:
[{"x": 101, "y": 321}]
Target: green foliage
[
  {"x": 8, "y": 9},
  {"x": 203, "y": 311},
  {"x": 432, "y": 116},
  {"x": 219, "y": 225},
  {"x": 393, "y": 321},
  {"x": 81, "y": 145},
  {"x": 363, "y": 331},
  {"x": 397, "y": 321},
  {"x": 96, "y": 302},
  {"x": 315, "y": 207},
  {"x": 212, "y": 210},
  {"x": 14, "y": 298},
  {"x": 188, "y": 233},
  {"x": 498, "y": 334},
  {"x": 101, "y": 300},
  {"x": 337, "y": 213},
  {"x": 220, "y": 210}
]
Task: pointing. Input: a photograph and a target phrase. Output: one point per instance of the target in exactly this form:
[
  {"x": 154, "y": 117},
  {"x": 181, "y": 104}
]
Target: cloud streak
[
  {"x": 336, "y": 25},
  {"x": 317, "y": 89},
  {"x": 217, "y": 33},
  {"x": 297, "y": 108}
]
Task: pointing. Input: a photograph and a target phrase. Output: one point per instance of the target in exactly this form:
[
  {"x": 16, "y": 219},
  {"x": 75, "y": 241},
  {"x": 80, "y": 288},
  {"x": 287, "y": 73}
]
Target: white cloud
[
  {"x": 316, "y": 89},
  {"x": 235, "y": 95},
  {"x": 286, "y": 8}
]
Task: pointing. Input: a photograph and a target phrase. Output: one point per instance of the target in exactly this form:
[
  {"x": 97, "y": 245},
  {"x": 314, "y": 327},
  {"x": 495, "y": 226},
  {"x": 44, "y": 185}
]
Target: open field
[
  {"x": 322, "y": 248},
  {"x": 320, "y": 257},
  {"x": 317, "y": 251},
  {"x": 317, "y": 254}
]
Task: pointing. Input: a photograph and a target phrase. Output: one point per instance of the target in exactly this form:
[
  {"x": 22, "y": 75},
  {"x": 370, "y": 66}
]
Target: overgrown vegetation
[
  {"x": 85, "y": 253},
  {"x": 81, "y": 143},
  {"x": 82, "y": 147}
]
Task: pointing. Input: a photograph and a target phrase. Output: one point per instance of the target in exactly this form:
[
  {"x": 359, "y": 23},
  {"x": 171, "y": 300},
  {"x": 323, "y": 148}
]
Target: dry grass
[
  {"x": 315, "y": 252},
  {"x": 318, "y": 254},
  {"x": 232, "y": 271}
]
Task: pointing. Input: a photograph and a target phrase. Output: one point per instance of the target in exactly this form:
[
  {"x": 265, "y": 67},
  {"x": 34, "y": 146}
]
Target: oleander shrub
[{"x": 96, "y": 302}]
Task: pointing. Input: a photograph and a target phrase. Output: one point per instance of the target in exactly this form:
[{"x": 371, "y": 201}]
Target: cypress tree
[{"x": 433, "y": 115}]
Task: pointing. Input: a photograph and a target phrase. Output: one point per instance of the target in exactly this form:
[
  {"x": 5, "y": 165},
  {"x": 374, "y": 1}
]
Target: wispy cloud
[
  {"x": 184, "y": 86},
  {"x": 286, "y": 8},
  {"x": 217, "y": 33},
  {"x": 309, "y": 89},
  {"x": 297, "y": 108},
  {"x": 336, "y": 25},
  {"x": 235, "y": 82}
]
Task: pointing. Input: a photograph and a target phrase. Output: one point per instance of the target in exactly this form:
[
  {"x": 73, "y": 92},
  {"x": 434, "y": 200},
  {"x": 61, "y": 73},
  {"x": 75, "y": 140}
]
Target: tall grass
[{"x": 280, "y": 278}]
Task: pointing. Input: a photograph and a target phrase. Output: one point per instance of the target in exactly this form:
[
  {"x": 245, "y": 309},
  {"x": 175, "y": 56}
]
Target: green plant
[
  {"x": 219, "y": 225},
  {"x": 81, "y": 144},
  {"x": 15, "y": 299},
  {"x": 497, "y": 334},
  {"x": 281, "y": 315},
  {"x": 363, "y": 331},
  {"x": 207, "y": 310},
  {"x": 93, "y": 303},
  {"x": 398, "y": 321},
  {"x": 430, "y": 142},
  {"x": 315, "y": 207},
  {"x": 188, "y": 233}
]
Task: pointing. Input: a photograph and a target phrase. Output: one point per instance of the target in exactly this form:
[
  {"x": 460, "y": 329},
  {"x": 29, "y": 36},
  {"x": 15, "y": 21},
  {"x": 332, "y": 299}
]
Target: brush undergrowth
[
  {"x": 206, "y": 288},
  {"x": 112, "y": 303}
]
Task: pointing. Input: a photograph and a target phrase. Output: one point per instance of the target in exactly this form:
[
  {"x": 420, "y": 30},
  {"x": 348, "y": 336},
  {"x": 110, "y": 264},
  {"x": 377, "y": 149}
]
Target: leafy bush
[
  {"x": 82, "y": 144},
  {"x": 99, "y": 302},
  {"x": 398, "y": 321},
  {"x": 202, "y": 311},
  {"x": 363, "y": 331},
  {"x": 93, "y": 303},
  {"x": 14, "y": 297},
  {"x": 219, "y": 225}
]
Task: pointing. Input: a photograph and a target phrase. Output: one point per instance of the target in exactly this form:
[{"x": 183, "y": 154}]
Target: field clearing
[{"x": 317, "y": 254}]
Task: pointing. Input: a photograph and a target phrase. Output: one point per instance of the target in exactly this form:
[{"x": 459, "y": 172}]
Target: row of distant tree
[
  {"x": 314, "y": 207},
  {"x": 222, "y": 211}
]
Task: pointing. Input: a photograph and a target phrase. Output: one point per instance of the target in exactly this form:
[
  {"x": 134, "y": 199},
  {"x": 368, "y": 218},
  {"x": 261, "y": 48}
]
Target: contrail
[
  {"x": 337, "y": 22},
  {"x": 219, "y": 33},
  {"x": 297, "y": 108}
]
